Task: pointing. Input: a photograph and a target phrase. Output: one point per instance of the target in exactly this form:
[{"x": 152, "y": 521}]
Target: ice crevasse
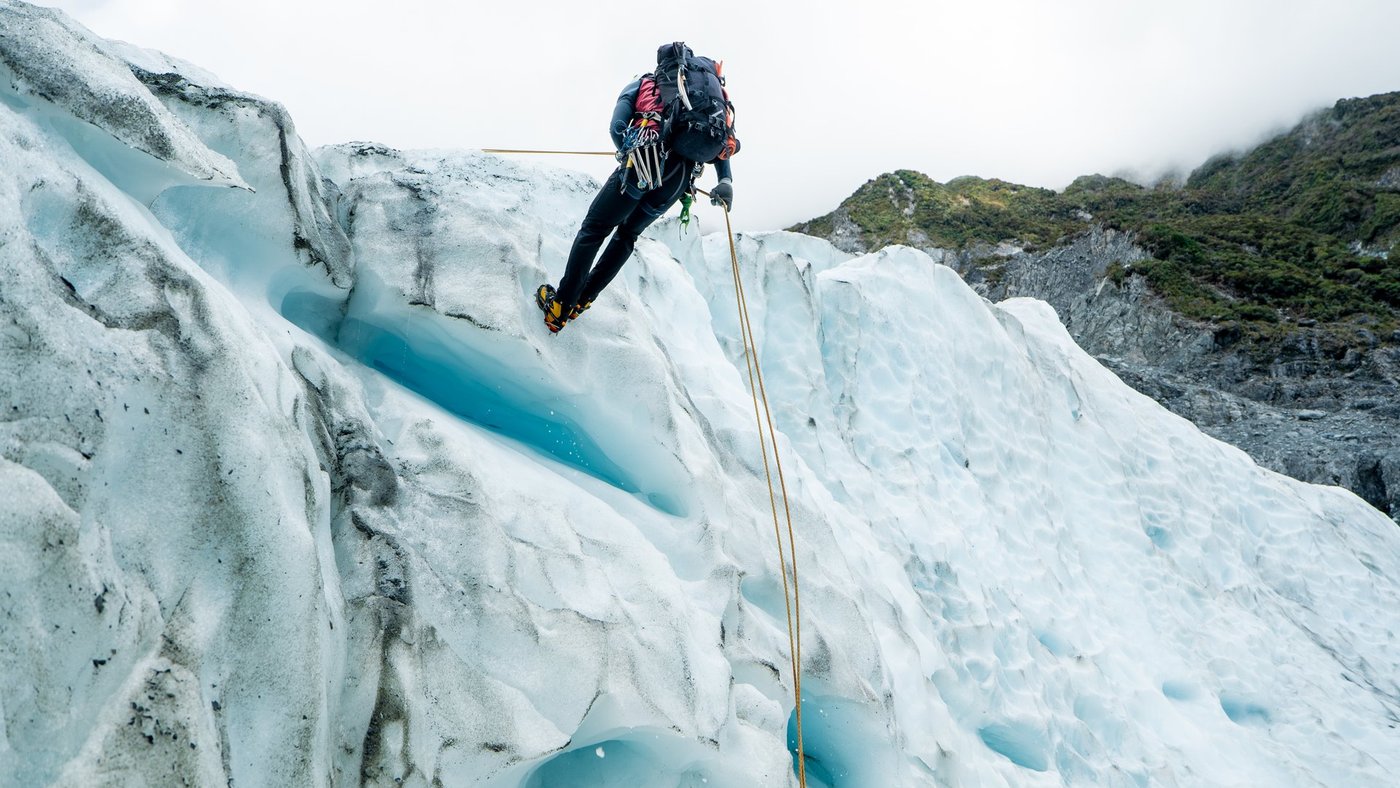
[{"x": 298, "y": 490}]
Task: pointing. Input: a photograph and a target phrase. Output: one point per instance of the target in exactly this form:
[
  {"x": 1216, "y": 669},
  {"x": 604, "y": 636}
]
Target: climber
[{"x": 666, "y": 126}]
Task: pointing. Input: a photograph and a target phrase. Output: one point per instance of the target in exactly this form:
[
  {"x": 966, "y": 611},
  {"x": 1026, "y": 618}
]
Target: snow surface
[{"x": 299, "y": 491}]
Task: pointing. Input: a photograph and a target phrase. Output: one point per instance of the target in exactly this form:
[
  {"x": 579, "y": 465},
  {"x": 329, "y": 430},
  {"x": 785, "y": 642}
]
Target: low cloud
[{"x": 1022, "y": 90}]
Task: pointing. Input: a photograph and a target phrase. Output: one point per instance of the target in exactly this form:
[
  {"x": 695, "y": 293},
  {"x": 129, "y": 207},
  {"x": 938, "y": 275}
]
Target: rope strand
[
  {"x": 555, "y": 152},
  {"x": 794, "y": 604}
]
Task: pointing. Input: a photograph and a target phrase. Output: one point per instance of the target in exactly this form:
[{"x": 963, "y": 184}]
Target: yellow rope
[
  {"x": 555, "y": 152},
  {"x": 793, "y": 602}
]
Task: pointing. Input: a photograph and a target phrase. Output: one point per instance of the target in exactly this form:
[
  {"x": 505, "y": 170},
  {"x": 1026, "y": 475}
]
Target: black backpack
[{"x": 697, "y": 119}]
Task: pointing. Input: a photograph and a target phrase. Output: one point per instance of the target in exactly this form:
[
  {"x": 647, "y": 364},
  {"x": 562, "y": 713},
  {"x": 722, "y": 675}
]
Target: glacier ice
[
  {"x": 58, "y": 73},
  {"x": 298, "y": 490}
]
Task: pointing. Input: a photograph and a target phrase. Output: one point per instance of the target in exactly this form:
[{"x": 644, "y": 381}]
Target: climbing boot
[
  {"x": 578, "y": 309},
  {"x": 554, "y": 318}
]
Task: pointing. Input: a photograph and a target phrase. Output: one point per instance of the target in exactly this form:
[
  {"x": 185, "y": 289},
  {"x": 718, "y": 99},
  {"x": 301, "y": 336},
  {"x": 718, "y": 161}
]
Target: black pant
[{"x": 615, "y": 211}]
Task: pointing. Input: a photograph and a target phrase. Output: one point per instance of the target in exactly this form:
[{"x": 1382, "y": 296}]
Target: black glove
[{"x": 723, "y": 194}]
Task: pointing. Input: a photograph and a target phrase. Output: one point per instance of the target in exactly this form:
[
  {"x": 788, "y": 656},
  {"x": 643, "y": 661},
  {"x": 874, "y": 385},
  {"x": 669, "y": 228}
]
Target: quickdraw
[{"x": 645, "y": 154}]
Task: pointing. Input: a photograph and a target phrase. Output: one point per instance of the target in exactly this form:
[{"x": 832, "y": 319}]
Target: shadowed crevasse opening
[
  {"x": 639, "y": 758},
  {"x": 468, "y": 384},
  {"x": 845, "y": 744}
]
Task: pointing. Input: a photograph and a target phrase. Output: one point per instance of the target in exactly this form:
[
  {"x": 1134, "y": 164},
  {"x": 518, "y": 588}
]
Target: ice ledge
[{"x": 54, "y": 69}]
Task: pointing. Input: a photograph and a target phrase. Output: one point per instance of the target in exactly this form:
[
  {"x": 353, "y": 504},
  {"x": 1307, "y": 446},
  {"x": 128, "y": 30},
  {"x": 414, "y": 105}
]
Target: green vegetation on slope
[
  {"x": 902, "y": 205},
  {"x": 1256, "y": 241}
]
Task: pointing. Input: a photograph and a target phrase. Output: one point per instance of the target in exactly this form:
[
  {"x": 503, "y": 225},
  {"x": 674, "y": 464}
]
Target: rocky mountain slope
[{"x": 1260, "y": 298}]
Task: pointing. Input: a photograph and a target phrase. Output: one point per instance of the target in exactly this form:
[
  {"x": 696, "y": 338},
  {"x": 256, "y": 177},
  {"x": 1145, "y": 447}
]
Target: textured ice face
[
  {"x": 299, "y": 490},
  {"x": 56, "y": 69}
]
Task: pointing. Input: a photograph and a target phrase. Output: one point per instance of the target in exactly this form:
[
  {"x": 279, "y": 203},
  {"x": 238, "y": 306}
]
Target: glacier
[{"x": 298, "y": 490}]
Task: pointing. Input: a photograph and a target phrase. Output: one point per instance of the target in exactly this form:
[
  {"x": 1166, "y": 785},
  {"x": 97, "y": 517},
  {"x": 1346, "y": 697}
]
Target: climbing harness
[{"x": 792, "y": 601}]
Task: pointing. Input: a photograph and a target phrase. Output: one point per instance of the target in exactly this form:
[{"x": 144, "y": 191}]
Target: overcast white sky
[{"x": 829, "y": 94}]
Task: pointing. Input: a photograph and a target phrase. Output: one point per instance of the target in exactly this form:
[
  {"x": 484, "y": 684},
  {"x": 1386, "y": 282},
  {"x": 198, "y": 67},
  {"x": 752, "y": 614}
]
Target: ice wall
[{"x": 299, "y": 490}]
